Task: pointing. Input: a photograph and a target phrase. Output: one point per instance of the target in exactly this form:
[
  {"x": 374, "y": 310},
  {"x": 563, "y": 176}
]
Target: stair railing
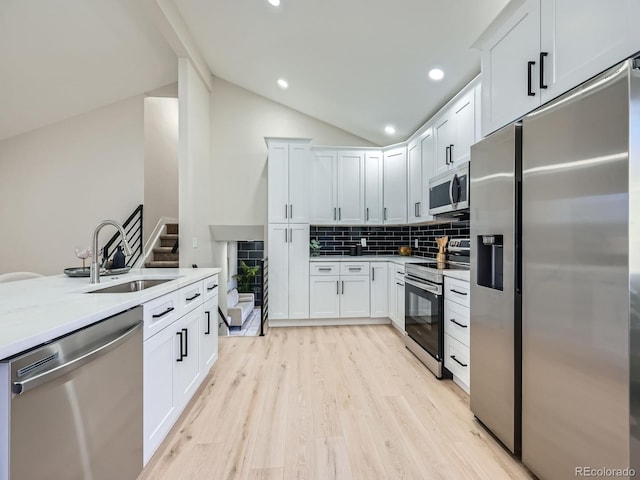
[
  {"x": 133, "y": 229},
  {"x": 264, "y": 284}
]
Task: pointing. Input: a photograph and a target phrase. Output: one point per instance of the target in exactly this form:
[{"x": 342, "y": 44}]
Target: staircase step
[
  {"x": 168, "y": 240},
  {"x": 172, "y": 228},
  {"x": 164, "y": 253},
  {"x": 162, "y": 264}
]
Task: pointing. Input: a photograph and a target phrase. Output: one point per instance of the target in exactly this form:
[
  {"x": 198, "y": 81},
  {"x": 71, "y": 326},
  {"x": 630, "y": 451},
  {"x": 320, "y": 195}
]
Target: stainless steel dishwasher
[{"x": 76, "y": 404}]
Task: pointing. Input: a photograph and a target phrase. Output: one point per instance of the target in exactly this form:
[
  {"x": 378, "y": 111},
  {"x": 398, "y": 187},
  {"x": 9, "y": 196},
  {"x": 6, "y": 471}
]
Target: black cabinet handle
[
  {"x": 337, "y": 287},
  {"x": 419, "y": 204},
  {"x": 446, "y": 155},
  {"x": 334, "y": 213},
  {"x": 343, "y": 287},
  {"x": 186, "y": 341},
  {"x": 339, "y": 213},
  {"x": 458, "y": 292},
  {"x": 168, "y": 310},
  {"x": 542, "y": 55},
  {"x": 451, "y": 154},
  {"x": 457, "y": 323},
  {"x": 193, "y": 298},
  {"x": 181, "y": 354},
  {"x": 208, "y": 330},
  {"x": 529, "y": 73},
  {"x": 367, "y": 214},
  {"x": 385, "y": 213},
  {"x": 373, "y": 274},
  {"x": 453, "y": 357},
  {"x": 212, "y": 288},
  {"x": 286, "y": 211}
]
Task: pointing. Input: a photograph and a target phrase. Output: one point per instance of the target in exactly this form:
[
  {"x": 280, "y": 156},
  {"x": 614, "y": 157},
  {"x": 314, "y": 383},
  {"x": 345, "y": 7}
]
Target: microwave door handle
[
  {"x": 451, "y": 190},
  {"x": 456, "y": 197}
]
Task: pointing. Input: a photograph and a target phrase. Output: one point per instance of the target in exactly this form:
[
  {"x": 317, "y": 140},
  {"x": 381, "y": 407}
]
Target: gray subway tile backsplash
[{"x": 336, "y": 240}]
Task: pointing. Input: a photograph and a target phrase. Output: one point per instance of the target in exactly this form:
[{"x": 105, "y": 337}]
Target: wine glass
[{"x": 83, "y": 253}]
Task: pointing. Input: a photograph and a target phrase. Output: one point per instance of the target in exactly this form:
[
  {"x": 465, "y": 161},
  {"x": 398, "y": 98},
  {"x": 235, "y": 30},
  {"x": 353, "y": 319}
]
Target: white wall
[
  {"x": 240, "y": 120},
  {"x": 160, "y": 161},
  {"x": 194, "y": 168},
  {"x": 58, "y": 182}
]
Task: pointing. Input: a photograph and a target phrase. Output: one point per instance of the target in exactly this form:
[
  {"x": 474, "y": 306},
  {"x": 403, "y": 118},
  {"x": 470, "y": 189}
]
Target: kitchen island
[
  {"x": 173, "y": 346},
  {"x": 36, "y": 311}
]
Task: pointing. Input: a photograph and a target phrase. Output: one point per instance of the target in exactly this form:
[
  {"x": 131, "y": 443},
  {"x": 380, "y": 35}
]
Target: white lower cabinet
[
  {"x": 288, "y": 271},
  {"x": 379, "y": 289},
  {"x": 354, "y": 296},
  {"x": 457, "y": 328},
  {"x": 208, "y": 335},
  {"x": 399, "y": 317},
  {"x": 396, "y": 295},
  {"x": 339, "y": 296},
  {"x": 391, "y": 285},
  {"x": 324, "y": 296},
  {"x": 176, "y": 359}
]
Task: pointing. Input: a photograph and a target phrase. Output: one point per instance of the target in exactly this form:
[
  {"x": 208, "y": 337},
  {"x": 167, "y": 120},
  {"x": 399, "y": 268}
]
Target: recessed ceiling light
[
  {"x": 436, "y": 74},
  {"x": 275, "y": 3},
  {"x": 389, "y": 130},
  {"x": 283, "y": 84}
]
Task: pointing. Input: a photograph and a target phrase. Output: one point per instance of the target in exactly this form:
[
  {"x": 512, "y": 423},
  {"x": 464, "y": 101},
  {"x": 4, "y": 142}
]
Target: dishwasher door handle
[{"x": 24, "y": 386}]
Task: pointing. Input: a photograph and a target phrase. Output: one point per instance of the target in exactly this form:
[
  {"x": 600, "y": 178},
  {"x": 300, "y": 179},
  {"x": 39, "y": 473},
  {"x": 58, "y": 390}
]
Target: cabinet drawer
[
  {"x": 399, "y": 269},
  {"x": 456, "y": 321},
  {"x": 323, "y": 268},
  {"x": 210, "y": 287},
  {"x": 456, "y": 358},
  {"x": 190, "y": 297},
  {"x": 456, "y": 291},
  {"x": 354, "y": 268},
  {"x": 160, "y": 312}
]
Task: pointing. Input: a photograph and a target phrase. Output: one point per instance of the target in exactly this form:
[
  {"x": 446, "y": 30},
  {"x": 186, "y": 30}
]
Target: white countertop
[
  {"x": 35, "y": 311},
  {"x": 399, "y": 259},
  {"x": 459, "y": 274}
]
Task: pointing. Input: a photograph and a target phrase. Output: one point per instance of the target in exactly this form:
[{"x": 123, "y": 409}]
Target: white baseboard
[
  {"x": 327, "y": 322},
  {"x": 462, "y": 385}
]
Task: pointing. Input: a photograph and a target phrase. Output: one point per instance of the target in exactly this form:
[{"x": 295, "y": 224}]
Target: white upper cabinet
[
  {"x": 581, "y": 38},
  {"x": 443, "y": 134},
  {"x": 546, "y": 47},
  {"x": 373, "y": 187},
  {"x": 288, "y": 168},
  {"x": 427, "y": 151},
  {"x": 508, "y": 68},
  {"x": 351, "y": 207},
  {"x": 415, "y": 205},
  {"x": 464, "y": 128},
  {"x": 455, "y": 132},
  {"x": 395, "y": 186},
  {"x": 324, "y": 187},
  {"x": 337, "y": 189}
]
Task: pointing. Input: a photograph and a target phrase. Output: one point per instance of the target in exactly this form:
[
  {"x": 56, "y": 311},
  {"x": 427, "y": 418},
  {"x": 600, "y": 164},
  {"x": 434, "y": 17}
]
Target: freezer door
[
  {"x": 494, "y": 320},
  {"x": 575, "y": 298}
]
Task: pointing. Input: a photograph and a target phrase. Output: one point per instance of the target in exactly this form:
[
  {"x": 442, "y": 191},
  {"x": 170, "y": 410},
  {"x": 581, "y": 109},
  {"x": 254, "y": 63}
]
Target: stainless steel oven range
[{"x": 424, "y": 306}]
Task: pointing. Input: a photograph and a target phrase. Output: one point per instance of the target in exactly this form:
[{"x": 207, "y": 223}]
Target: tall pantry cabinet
[{"x": 288, "y": 232}]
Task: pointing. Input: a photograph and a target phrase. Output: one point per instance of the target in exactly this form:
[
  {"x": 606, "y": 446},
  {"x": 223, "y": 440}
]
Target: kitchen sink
[{"x": 132, "y": 286}]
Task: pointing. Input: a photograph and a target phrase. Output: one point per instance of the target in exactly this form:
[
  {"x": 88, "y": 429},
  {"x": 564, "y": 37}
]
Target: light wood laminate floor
[{"x": 328, "y": 403}]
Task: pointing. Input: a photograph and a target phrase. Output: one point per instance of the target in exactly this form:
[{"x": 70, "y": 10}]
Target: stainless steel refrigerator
[{"x": 555, "y": 285}]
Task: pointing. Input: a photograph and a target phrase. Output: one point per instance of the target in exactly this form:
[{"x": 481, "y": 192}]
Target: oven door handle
[{"x": 436, "y": 289}]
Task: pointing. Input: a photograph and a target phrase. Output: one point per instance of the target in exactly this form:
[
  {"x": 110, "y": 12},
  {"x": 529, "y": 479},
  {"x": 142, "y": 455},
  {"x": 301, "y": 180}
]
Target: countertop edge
[{"x": 105, "y": 306}]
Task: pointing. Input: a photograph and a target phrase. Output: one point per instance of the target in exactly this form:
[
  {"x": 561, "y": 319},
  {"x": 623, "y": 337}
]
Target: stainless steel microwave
[{"x": 449, "y": 191}]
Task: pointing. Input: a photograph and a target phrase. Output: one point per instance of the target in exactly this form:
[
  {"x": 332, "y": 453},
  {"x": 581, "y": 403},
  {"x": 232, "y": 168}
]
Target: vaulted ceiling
[{"x": 356, "y": 64}]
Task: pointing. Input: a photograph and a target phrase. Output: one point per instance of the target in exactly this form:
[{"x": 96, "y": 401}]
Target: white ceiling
[
  {"x": 356, "y": 64},
  {"x": 60, "y": 58}
]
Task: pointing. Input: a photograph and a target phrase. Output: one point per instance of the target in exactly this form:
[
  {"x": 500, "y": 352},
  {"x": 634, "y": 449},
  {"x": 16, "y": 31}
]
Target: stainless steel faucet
[{"x": 94, "y": 270}]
